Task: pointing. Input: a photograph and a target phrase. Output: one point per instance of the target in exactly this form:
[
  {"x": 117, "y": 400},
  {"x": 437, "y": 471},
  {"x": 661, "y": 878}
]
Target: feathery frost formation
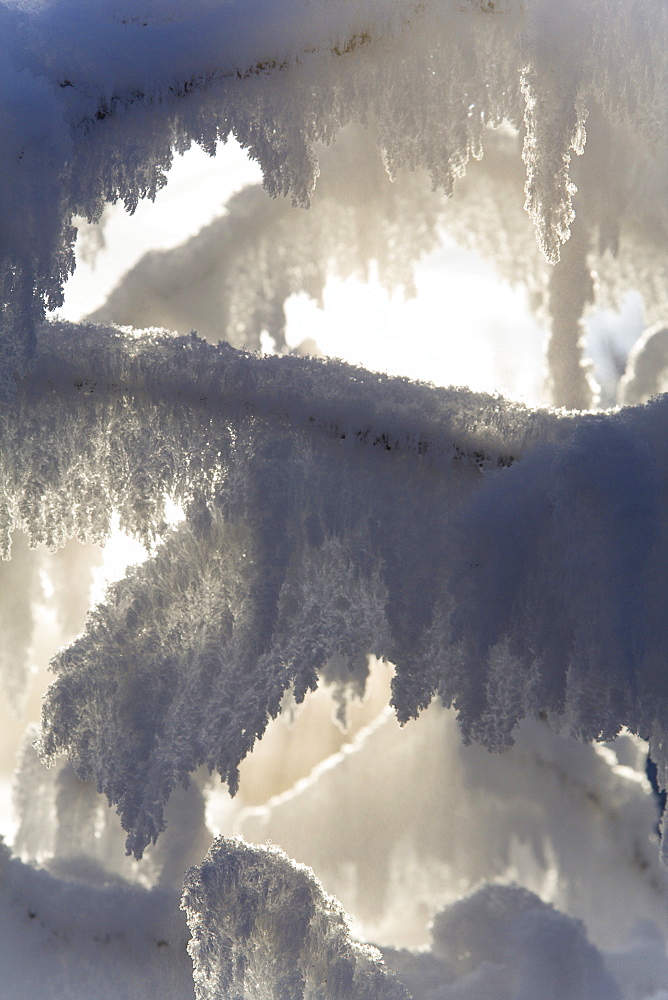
[
  {"x": 263, "y": 929},
  {"x": 331, "y": 512},
  {"x": 97, "y": 99},
  {"x": 508, "y": 562},
  {"x": 301, "y": 479}
]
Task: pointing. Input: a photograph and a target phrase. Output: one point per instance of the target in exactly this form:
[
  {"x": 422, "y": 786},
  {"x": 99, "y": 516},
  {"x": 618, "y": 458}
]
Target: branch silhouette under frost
[
  {"x": 289, "y": 555},
  {"x": 86, "y": 363}
]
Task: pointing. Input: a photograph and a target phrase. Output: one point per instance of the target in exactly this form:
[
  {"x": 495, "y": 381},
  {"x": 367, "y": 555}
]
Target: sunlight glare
[
  {"x": 463, "y": 327},
  {"x": 122, "y": 551},
  {"x": 197, "y": 190}
]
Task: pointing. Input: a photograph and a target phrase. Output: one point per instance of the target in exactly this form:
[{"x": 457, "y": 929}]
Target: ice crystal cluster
[{"x": 232, "y": 280}]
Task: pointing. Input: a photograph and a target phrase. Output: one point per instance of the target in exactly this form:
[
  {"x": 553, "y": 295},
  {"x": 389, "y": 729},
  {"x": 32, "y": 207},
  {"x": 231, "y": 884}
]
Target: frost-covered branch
[
  {"x": 507, "y": 561},
  {"x": 298, "y": 475},
  {"x": 97, "y": 101},
  {"x": 262, "y": 927}
]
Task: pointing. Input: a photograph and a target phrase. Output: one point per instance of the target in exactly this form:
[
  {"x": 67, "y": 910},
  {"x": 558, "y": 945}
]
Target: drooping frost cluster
[
  {"x": 302, "y": 480},
  {"x": 99, "y": 98}
]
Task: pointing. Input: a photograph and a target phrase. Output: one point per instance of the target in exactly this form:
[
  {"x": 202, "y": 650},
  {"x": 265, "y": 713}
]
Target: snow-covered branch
[
  {"x": 262, "y": 926},
  {"x": 332, "y": 511},
  {"x": 299, "y": 475},
  {"x": 97, "y": 100}
]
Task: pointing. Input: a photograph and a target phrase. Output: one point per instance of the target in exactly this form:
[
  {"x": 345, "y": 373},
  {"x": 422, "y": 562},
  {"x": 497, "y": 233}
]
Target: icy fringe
[
  {"x": 98, "y": 101},
  {"x": 331, "y": 511},
  {"x": 231, "y": 281},
  {"x": 233, "y": 278},
  {"x": 263, "y": 929},
  {"x": 66, "y": 827}
]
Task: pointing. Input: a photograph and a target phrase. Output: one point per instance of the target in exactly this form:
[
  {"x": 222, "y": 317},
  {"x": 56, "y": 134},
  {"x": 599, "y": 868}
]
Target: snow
[
  {"x": 74, "y": 938},
  {"x": 509, "y": 562}
]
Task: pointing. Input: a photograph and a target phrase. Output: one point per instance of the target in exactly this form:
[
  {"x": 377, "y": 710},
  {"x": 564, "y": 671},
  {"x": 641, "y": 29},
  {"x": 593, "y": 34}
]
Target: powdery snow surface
[
  {"x": 260, "y": 924},
  {"x": 566, "y": 820},
  {"x": 74, "y": 938}
]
